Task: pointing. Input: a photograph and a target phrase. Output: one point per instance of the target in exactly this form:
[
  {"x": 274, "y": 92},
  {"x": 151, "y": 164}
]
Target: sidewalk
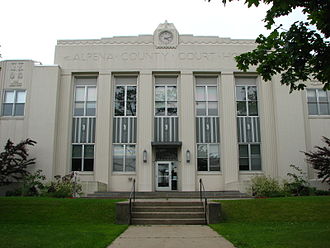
[{"x": 170, "y": 236}]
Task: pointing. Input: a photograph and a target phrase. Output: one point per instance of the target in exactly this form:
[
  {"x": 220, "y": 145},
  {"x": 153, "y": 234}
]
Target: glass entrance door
[{"x": 166, "y": 176}]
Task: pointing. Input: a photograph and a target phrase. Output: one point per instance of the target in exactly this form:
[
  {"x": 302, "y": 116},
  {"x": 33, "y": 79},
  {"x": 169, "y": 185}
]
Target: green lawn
[
  {"x": 292, "y": 222},
  {"x": 50, "y": 222}
]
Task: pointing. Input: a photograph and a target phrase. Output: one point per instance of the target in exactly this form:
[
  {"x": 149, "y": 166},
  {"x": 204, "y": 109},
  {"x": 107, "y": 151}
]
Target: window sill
[
  {"x": 11, "y": 117},
  {"x": 84, "y": 173},
  {"x": 119, "y": 173},
  {"x": 249, "y": 173},
  {"x": 319, "y": 117},
  {"x": 202, "y": 173}
]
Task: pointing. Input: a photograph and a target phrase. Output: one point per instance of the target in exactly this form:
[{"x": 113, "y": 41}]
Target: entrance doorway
[{"x": 166, "y": 176}]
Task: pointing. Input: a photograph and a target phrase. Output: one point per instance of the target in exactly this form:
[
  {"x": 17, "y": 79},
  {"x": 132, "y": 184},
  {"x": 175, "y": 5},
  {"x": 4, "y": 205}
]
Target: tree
[
  {"x": 14, "y": 161},
  {"x": 299, "y": 54},
  {"x": 320, "y": 160}
]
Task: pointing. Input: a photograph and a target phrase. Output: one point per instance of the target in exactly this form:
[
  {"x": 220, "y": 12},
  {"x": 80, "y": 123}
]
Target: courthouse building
[{"x": 166, "y": 109}]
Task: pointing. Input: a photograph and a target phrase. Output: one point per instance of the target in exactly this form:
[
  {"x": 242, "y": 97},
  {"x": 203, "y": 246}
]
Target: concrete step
[
  {"x": 167, "y": 203},
  {"x": 149, "y": 221},
  {"x": 168, "y": 209},
  {"x": 168, "y": 215}
]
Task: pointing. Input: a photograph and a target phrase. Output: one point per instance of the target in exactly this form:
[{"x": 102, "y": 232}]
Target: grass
[
  {"x": 292, "y": 222},
  {"x": 50, "y": 222}
]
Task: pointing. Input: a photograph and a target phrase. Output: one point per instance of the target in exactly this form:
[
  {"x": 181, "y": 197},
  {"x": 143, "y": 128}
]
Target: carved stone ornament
[{"x": 166, "y": 36}]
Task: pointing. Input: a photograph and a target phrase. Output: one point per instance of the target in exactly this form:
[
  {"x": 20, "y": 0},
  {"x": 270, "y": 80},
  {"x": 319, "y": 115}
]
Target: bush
[
  {"x": 262, "y": 186},
  {"x": 33, "y": 184},
  {"x": 297, "y": 185},
  {"x": 62, "y": 187}
]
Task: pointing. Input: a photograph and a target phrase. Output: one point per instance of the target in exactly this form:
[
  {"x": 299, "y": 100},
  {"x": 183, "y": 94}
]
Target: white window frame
[
  {"x": 249, "y": 157},
  {"x": 205, "y": 86},
  {"x": 85, "y": 99},
  {"x": 124, "y": 158},
  {"x": 318, "y": 101},
  {"x": 14, "y": 102},
  {"x": 166, "y": 101},
  {"x": 83, "y": 155},
  {"x": 247, "y": 99},
  {"x": 125, "y": 100},
  {"x": 208, "y": 157}
]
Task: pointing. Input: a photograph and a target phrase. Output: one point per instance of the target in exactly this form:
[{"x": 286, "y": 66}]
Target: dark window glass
[
  {"x": 131, "y": 109},
  {"x": 120, "y": 93},
  {"x": 76, "y": 164},
  {"x": 202, "y": 164},
  {"x": 88, "y": 164},
  {"x": 7, "y": 109},
  {"x": 241, "y": 109},
  {"x": 253, "y": 108},
  {"x": 119, "y": 108}
]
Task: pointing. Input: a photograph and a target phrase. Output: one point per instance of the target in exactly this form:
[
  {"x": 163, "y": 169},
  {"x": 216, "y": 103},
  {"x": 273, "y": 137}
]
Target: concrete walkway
[{"x": 170, "y": 236}]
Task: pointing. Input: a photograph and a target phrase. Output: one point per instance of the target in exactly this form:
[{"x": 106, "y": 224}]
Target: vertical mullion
[
  {"x": 14, "y": 103},
  {"x": 82, "y": 157},
  {"x": 249, "y": 154},
  {"x": 124, "y": 159},
  {"x": 125, "y": 99}
]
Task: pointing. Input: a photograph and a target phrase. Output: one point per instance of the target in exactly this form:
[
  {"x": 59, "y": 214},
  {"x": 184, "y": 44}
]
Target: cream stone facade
[{"x": 166, "y": 109}]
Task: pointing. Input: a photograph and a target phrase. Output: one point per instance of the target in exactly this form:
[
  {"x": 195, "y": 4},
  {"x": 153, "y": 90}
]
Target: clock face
[{"x": 166, "y": 37}]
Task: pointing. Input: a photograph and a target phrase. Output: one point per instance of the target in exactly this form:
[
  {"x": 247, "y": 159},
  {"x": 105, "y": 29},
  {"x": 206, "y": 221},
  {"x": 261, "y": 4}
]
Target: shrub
[
  {"x": 262, "y": 186},
  {"x": 33, "y": 184},
  {"x": 297, "y": 185},
  {"x": 62, "y": 187}
]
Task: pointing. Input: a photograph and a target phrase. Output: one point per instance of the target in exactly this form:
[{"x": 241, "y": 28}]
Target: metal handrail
[
  {"x": 131, "y": 197},
  {"x": 201, "y": 192}
]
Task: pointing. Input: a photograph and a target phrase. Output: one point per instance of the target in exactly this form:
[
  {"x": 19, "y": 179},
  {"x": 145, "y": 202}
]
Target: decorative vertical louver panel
[
  {"x": 83, "y": 130},
  {"x": 124, "y": 130},
  {"x": 166, "y": 129},
  {"x": 207, "y": 130},
  {"x": 248, "y": 129}
]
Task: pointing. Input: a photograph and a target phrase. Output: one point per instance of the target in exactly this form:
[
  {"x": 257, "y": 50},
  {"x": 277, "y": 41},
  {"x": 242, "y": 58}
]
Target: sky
[{"x": 30, "y": 29}]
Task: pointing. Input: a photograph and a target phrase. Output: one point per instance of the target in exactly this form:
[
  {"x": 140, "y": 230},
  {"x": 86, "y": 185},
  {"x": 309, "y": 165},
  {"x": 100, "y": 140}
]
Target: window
[
  {"x": 125, "y": 100},
  {"x": 124, "y": 158},
  {"x": 248, "y": 126},
  {"x": 249, "y": 157},
  {"x": 166, "y": 100},
  {"x": 124, "y": 124},
  {"x": 208, "y": 158},
  {"x": 318, "y": 102},
  {"x": 206, "y": 100},
  {"x": 13, "y": 103},
  {"x": 83, "y": 124},
  {"x": 247, "y": 100}
]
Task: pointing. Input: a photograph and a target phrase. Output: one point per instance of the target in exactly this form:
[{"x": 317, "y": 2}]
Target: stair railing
[
  {"x": 203, "y": 198},
  {"x": 131, "y": 201}
]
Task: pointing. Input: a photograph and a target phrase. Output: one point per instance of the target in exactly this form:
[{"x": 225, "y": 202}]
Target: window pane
[
  {"x": 255, "y": 164},
  {"x": 78, "y": 109},
  {"x": 118, "y": 158},
  {"x": 76, "y": 164},
  {"x": 322, "y": 96},
  {"x": 120, "y": 93},
  {"x": 214, "y": 151},
  {"x": 119, "y": 108},
  {"x": 324, "y": 108},
  {"x": 201, "y": 108},
  {"x": 243, "y": 164},
  {"x": 311, "y": 95},
  {"x": 88, "y": 164},
  {"x": 9, "y": 97},
  {"x": 7, "y": 109},
  {"x": 172, "y": 108},
  {"x": 312, "y": 109},
  {"x": 171, "y": 93},
  {"x": 76, "y": 151},
  {"x": 253, "y": 108},
  {"x": 202, "y": 151},
  {"x": 83, "y": 130},
  {"x": 213, "y": 108},
  {"x": 159, "y": 93},
  {"x": 131, "y": 108},
  {"x": 202, "y": 164},
  {"x": 91, "y": 109},
  {"x": 252, "y": 93},
  {"x": 200, "y": 93},
  {"x": 20, "y": 96},
  {"x": 255, "y": 150},
  {"x": 131, "y": 93},
  {"x": 130, "y": 158},
  {"x": 241, "y": 108},
  {"x": 159, "y": 108},
  {"x": 80, "y": 94},
  {"x": 19, "y": 109},
  {"x": 214, "y": 157},
  {"x": 91, "y": 94},
  {"x": 214, "y": 164},
  {"x": 243, "y": 151},
  {"x": 212, "y": 93},
  {"x": 89, "y": 151},
  {"x": 240, "y": 93}
]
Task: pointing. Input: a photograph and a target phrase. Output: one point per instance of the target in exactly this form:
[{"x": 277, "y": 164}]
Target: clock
[{"x": 166, "y": 37}]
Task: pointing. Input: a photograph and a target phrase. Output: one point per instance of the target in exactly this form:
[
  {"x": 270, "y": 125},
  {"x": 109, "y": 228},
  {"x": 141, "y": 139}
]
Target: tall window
[
  {"x": 13, "y": 103},
  {"x": 248, "y": 127},
  {"x": 318, "y": 102},
  {"x": 83, "y": 124},
  {"x": 124, "y": 125},
  {"x": 207, "y": 124}
]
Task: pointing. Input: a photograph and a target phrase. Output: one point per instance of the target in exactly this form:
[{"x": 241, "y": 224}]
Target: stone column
[
  {"x": 145, "y": 171},
  {"x": 187, "y": 131},
  {"x": 228, "y": 142}
]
